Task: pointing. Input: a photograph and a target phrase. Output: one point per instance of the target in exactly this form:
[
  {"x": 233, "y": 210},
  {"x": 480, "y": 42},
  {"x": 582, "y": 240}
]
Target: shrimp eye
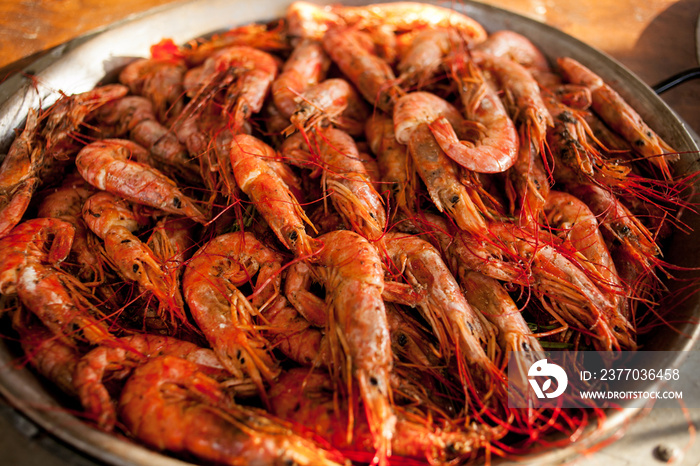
[
  {"x": 177, "y": 203},
  {"x": 124, "y": 241},
  {"x": 454, "y": 199},
  {"x": 402, "y": 340},
  {"x": 293, "y": 236},
  {"x": 526, "y": 347},
  {"x": 373, "y": 381},
  {"x": 135, "y": 268}
]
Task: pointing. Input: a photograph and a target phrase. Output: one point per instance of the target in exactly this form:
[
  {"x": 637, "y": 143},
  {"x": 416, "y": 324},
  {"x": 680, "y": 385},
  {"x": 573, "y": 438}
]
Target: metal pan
[{"x": 82, "y": 64}]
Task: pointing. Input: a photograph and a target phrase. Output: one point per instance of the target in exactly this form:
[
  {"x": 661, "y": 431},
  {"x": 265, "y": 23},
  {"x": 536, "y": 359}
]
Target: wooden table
[{"x": 654, "y": 38}]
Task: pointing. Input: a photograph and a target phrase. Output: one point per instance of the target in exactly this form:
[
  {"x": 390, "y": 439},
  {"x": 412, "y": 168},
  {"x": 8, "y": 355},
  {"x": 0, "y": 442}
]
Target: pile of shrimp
[{"x": 319, "y": 240}]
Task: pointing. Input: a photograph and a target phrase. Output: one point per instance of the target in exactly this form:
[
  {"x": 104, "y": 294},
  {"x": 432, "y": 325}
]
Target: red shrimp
[{"x": 108, "y": 165}]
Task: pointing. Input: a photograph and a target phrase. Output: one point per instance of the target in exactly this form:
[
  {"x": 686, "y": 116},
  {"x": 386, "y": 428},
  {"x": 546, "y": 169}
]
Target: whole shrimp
[
  {"x": 425, "y": 55},
  {"x": 170, "y": 404},
  {"x": 522, "y": 93},
  {"x": 306, "y": 66},
  {"x": 161, "y": 81},
  {"x": 518, "y": 48},
  {"x": 254, "y": 166},
  {"x": 245, "y": 74},
  {"x": 307, "y": 399},
  {"x": 565, "y": 290},
  {"x": 113, "y": 220},
  {"x": 66, "y": 203},
  {"x": 436, "y": 169},
  {"x": 50, "y": 356},
  {"x": 620, "y": 116},
  {"x": 345, "y": 178},
  {"x": 65, "y": 117},
  {"x": 459, "y": 329},
  {"x": 350, "y": 269},
  {"x": 372, "y": 76},
  {"x": 19, "y": 174},
  {"x": 407, "y": 16},
  {"x": 116, "y": 361},
  {"x": 395, "y": 163},
  {"x": 211, "y": 282},
  {"x": 29, "y": 271},
  {"x": 108, "y": 165},
  {"x": 333, "y": 100},
  {"x": 495, "y": 148}
]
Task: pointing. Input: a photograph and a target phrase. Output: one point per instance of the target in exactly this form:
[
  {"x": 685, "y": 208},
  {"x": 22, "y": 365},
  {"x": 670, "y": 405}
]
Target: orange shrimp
[
  {"x": 345, "y": 178},
  {"x": 245, "y": 73},
  {"x": 118, "y": 117},
  {"x": 172, "y": 241},
  {"x": 394, "y": 161},
  {"x": 171, "y": 405},
  {"x": 516, "y": 255},
  {"x": 620, "y": 116},
  {"x": 306, "y": 66},
  {"x": 160, "y": 81},
  {"x": 459, "y": 329},
  {"x": 406, "y": 16},
  {"x": 350, "y": 269},
  {"x": 522, "y": 93},
  {"x": 66, "y": 203},
  {"x": 518, "y": 48},
  {"x": 211, "y": 285},
  {"x": 252, "y": 163},
  {"x": 309, "y": 21},
  {"x": 296, "y": 337},
  {"x": 495, "y": 148},
  {"x": 528, "y": 183},
  {"x": 307, "y": 400},
  {"x": 436, "y": 169},
  {"x": 113, "y": 220},
  {"x": 108, "y": 165},
  {"x": 30, "y": 272},
  {"x": 64, "y": 118},
  {"x": 334, "y": 100},
  {"x": 271, "y": 38},
  {"x": 50, "y": 356},
  {"x": 425, "y": 56},
  {"x": 19, "y": 174},
  {"x": 117, "y": 360},
  {"x": 372, "y": 76}
]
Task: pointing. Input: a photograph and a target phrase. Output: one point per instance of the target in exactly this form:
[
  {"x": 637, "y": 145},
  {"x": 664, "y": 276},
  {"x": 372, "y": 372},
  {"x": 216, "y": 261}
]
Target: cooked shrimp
[
  {"x": 113, "y": 220},
  {"x": 345, "y": 178},
  {"x": 459, "y": 329},
  {"x": 406, "y": 16},
  {"x": 170, "y": 404},
  {"x": 528, "y": 184},
  {"x": 271, "y": 38},
  {"x": 65, "y": 117},
  {"x": 251, "y": 161},
  {"x": 372, "y": 76},
  {"x": 564, "y": 289},
  {"x": 50, "y": 356},
  {"x": 309, "y": 21},
  {"x": 307, "y": 399},
  {"x": 334, "y": 100},
  {"x": 160, "y": 81},
  {"x": 211, "y": 284},
  {"x": 395, "y": 163},
  {"x": 436, "y": 169},
  {"x": 118, "y": 117},
  {"x": 245, "y": 74},
  {"x": 518, "y": 48},
  {"x": 425, "y": 56},
  {"x": 30, "y": 272},
  {"x": 495, "y": 148},
  {"x": 350, "y": 269},
  {"x": 66, "y": 203},
  {"x": 522, "y": 92},
  {"x": 117, "y": 360},
  {"x": 306, "y": 66},
  {"x": 620, "y": 116},
  {"x": 108, "y": 165}
]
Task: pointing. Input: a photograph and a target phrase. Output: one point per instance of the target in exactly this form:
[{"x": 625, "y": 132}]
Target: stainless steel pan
[{"x": 82, "y": 64}]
